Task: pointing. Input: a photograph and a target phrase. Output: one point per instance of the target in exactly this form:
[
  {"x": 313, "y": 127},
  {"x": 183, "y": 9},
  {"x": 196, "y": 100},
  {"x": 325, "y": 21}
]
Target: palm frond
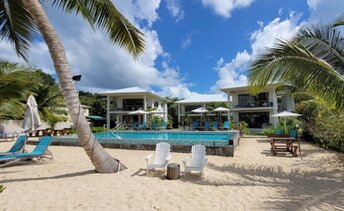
[
  {"x": 103, "y": 13},
  {"x": 339, "y": 22},
  {"x": 326, "y": 43},
  {"x": 293, "y": 63},
  {"x": 17, "y": 26}
]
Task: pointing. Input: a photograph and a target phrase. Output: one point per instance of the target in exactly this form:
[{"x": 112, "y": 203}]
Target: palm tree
[
  {"x": 313, "y": 61},
  {"x": 14, "y": 83},
  {"x": 20, "y": 19}
]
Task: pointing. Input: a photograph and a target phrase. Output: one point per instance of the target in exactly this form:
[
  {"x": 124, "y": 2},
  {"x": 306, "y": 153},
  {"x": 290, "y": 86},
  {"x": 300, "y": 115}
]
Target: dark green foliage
[
  {"x": 322, "y": 124},
  {"x": 95, "y": 101}
]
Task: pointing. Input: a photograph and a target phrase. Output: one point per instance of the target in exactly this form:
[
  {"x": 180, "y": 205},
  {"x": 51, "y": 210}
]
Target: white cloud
[
  {"x": 102, "y": 64},
  {"x": 175, "y": 9},
  {"x": 233, "y": 73},
  {"x": 224, "y": 8},
  {"x": 324, "y": 10},
  {"x": 187, "y": 41}
]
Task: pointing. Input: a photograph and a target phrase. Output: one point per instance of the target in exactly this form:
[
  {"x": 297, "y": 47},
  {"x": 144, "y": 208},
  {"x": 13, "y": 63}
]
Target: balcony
[{"x": 255, "y": 105}]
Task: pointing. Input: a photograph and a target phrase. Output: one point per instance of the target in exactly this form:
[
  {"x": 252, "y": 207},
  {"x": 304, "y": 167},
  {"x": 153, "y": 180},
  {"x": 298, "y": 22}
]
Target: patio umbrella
[
  {"x": 220, "y": 110},
  {"x": 285, "y": 115},
  {"x": 139, "y": 113},
  {"x": 200, "y": 110},
  {"x": 31, "y": 121},
  {"x": 158, "y": 111}
]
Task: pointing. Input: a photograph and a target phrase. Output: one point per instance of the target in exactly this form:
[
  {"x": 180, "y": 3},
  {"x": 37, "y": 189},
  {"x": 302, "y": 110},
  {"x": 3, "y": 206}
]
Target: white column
[
  {"x": 178, "y": 114},
  {"x": 108, "y": 112},
  {"x": 166, "y": 113},
  {"x": 229, "y": 105},
  {"x": 274, "y": 120},
  {"x": 144, "y": 108}
]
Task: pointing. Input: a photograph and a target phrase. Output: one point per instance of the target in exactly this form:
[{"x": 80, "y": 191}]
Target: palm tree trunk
[{"x": 102, "y": 161}]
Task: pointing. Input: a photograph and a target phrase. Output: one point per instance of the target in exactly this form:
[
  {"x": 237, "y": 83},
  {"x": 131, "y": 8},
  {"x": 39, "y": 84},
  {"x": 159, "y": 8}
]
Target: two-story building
[
  {"x": 121, "y": 102},
  {"x": 256, "y": 110},
  {"x": 196, "y": 101}
]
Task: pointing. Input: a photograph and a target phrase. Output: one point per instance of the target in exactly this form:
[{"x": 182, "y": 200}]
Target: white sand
[{"x": 252, "y": 180}]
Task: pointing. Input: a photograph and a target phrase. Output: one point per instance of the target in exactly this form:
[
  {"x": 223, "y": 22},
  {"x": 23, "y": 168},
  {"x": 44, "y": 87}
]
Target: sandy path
[{"x": 252, "y": 180}]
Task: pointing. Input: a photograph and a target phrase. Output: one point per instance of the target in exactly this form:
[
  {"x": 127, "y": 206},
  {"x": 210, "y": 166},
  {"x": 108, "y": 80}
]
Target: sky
[{"x": 192, "y": 46}]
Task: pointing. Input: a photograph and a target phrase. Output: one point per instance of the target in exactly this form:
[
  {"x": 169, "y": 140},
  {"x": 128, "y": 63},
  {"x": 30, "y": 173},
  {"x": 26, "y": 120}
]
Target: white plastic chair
[
  {"x": 162, "y": 157},
  {"x": 197, "y": 161}
]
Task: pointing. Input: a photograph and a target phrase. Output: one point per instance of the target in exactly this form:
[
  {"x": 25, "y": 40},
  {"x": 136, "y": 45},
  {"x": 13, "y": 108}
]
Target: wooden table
[{"x": 284, "y": 144}]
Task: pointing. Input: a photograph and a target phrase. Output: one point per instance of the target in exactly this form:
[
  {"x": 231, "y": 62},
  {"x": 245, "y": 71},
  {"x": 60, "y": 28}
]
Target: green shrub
[
  {"x": 268, "y": 131},
  {"x": 98, "y": 129}
]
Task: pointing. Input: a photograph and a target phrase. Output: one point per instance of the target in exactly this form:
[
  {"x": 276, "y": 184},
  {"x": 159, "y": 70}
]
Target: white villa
[
  {"x": 256, "y": 110},
  {"x": 122, "y": 101},
  {"x": 196, "y": 101}
]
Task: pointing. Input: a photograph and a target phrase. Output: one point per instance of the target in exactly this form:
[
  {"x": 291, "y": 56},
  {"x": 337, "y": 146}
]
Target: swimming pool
[{"x": 145, "y": 139}]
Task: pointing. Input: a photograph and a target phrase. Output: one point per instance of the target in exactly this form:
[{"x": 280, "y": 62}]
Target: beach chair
[
  {"x": 155, "y": 126},
  {"x": 17, "y": 147},
  {"x": 293, "y": 133},
  {"x": 143, "y": 126},
  {"x": 197, "y": 161},
  {"x": 41, "y": 151},
  {"x": 215, "y": 125},
  {"x": 195, "y": 125},
  {"x": 206, "y": 125},
  {"x": 226, "y": 125},
  {"x": 135, "y": 126},
  {"x": 278, "y": 132},
  {"x": 163, "y": 125},
  {"x": 161, "y": 157}
]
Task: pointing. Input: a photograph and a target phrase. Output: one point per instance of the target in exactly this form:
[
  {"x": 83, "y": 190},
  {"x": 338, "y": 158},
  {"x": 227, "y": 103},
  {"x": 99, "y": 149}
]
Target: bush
[
  {"x": 324, "y": 125},
  {"x": 98, "y": 129},
  {"x": 268, "y": 131}
]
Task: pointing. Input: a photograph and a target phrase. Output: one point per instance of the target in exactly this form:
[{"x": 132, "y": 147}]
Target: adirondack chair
[
  {"x": 135, "y": 126},
  {"x": 161, "y": 157},
  {"x": 197, "y": 161}
]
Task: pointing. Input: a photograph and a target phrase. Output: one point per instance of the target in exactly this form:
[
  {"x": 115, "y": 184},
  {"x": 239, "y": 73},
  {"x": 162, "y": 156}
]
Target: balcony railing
[{"x": 254, "y": 105}]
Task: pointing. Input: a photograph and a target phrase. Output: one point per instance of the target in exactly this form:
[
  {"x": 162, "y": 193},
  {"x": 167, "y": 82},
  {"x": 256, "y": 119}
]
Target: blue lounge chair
[
  {"x": 135, "y": 126},
  {"x": 226, "y": 125},
  {"x": 17, "y": 147},
  {"x": 41, "y": 151},
  {"x": 194, "y": 126},
  {"x": 278, "y": 132},
  {"x": 155, "y": 126},
  {"x": 206, "y": 125},
  {"x": 293, "y": 133},
  {"x": 215, "y": 125},
  {"x": 143, "y": 126},
  {"x": 163, "y": 125}
]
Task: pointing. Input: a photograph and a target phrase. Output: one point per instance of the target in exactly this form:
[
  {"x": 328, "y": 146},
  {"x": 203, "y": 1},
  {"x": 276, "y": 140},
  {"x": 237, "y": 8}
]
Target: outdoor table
[
  {"x": 173, "y": 171},
  {"x": 283, "y": 144}
]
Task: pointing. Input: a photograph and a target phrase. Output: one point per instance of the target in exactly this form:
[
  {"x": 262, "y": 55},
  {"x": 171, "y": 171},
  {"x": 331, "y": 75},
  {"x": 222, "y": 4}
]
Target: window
[
  {"x": 156, "y": 104},
  {"x": 255, "y": 119},
  {"x": 132, "y": 104},
  {"x": 247, "y": 100}
]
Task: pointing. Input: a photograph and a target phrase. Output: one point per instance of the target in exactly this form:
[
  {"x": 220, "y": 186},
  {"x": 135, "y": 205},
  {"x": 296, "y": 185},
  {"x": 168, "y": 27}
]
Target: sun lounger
[
  {"x": 215, "y": 125},
  {"x": 206, "y": 125},
  {"x": 41, "y": 151},
  {"x": 17, "y": 147},
  {"x": 226, "y": 125}
]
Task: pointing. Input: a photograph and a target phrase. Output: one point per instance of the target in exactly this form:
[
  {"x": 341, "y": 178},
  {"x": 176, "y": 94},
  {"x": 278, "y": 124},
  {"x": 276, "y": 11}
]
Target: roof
[
  {"x": 204, "y": 98},
  {"x": 241, "y": 88},
  {"x": 131, "y": 91}
]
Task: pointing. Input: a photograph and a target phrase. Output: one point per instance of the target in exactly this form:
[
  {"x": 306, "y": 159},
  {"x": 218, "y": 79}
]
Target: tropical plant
[
  {"x": 313, "y": 62},
  {"x": 21, "y": 19},
  {"x": 14, "y": 82}
]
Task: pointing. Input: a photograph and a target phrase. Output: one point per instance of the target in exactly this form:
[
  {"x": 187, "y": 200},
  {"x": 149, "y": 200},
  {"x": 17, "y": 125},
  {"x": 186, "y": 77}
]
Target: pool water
[{"x": 184, "y": 138}]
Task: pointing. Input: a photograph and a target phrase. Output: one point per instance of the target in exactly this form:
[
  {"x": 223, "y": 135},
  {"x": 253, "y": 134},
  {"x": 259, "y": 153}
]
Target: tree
[
  {"x": 313, "y": 61},
  {"x": 14, "y": 83},
  {"x": 21, "y": 19}
]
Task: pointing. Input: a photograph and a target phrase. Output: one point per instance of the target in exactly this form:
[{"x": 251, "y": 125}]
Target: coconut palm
[
  {"x": 313, "y": 61},
  {"x": 21, "y": 19}
]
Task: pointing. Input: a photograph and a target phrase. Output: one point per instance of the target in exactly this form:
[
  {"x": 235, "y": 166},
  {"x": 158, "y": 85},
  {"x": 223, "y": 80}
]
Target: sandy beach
[{"x": 251, "y": 180}]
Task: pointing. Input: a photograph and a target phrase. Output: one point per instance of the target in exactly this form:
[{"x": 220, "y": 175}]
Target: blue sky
[{"x": 193, "y": 46}]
